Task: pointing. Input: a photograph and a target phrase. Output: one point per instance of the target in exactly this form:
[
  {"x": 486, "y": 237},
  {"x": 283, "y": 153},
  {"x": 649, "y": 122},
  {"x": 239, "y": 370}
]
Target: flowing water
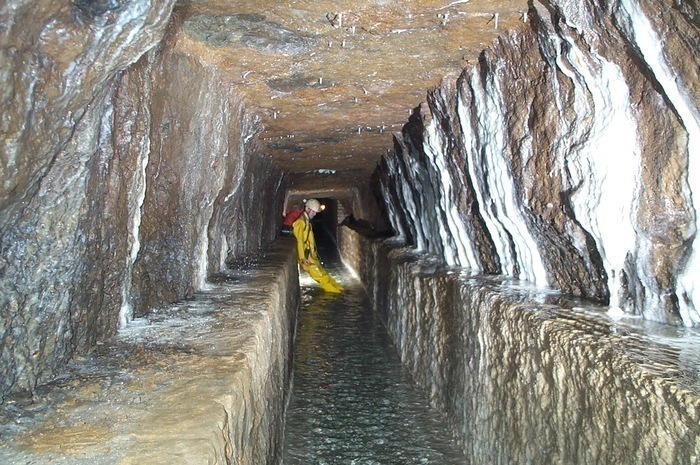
[{"x": 352, "y": 403}]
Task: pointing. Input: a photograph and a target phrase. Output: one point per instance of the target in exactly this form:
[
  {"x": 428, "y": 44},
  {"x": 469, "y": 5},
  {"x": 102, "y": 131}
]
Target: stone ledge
[
  {"x": 528, "y": 377},
  {"x": 203, "y": 381}
]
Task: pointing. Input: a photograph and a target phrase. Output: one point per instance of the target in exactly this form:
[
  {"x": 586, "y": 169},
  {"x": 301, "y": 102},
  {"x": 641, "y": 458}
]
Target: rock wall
[
  {"x": 200, "y": 204},
  {"x": 566, "y": 157},
  {"x": 127, "y": 177},
  {"x": 59, "y": 61},
  {"x": 529, "y": 377}
]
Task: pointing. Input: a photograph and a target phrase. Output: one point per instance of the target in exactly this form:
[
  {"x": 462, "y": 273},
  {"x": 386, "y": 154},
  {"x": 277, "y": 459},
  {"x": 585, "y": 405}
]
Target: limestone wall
[
  {"x": 522, "y": 376},
  {"x": 129, "y": 174},
  {"x": 63, "y": 253},
  {"x": 567, "y": 156},
  {"x": 202, "y": 185}
]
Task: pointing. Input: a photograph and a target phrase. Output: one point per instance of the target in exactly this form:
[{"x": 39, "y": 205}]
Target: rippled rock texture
[
  {"x": 127, "y": 173},
  {"x": 566, "y": 157},
  {"x": 528, "y": 377}
]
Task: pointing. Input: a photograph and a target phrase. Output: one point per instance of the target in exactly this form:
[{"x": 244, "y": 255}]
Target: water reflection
[{"x": 352, "y": 403}]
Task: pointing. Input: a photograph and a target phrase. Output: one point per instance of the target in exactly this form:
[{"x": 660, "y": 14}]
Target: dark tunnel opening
[{"x": 325, "y": 226}]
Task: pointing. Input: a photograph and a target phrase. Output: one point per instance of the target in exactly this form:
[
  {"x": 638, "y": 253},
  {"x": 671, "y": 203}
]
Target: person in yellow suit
[{"x": 307, "y": 254}]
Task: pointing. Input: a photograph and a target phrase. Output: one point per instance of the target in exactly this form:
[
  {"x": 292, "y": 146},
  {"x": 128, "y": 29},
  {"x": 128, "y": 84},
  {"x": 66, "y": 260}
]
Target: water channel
[{"x": 352, "y": 402}]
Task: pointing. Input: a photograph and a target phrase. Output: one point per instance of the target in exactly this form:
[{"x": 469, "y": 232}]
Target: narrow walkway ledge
[
  {"x": 203, "y": 381},
  {"x": 526, "y": 376}
]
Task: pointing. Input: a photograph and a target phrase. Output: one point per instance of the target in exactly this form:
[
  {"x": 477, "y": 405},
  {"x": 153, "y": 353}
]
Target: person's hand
[{"x": 306, "y": 262}]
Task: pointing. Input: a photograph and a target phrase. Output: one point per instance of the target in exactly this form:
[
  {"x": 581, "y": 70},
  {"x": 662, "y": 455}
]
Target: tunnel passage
[
  {"x": 325, "y": 226},
  {"x": 125, "y": 186},
  {"x": 145, "y": 146},
  {"x": 520, "y": 374}
]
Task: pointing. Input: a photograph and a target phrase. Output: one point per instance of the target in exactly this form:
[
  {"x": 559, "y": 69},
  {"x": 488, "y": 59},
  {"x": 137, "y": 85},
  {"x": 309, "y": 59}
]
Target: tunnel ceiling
[{"x": 331, "y": 80}]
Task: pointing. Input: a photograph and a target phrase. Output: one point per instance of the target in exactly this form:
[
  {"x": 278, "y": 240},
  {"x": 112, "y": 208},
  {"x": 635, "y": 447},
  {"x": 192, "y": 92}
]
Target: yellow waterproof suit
[{"x": 307, "y": 255}]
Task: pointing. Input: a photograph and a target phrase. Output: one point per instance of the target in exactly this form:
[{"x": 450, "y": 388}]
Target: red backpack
[
  {"x": 292, "y": 216},
  {"x": 289, "y": 220}
]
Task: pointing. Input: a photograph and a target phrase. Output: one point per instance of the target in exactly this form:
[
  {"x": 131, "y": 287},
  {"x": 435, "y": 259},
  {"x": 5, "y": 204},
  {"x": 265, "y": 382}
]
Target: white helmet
[{"x": 314, "y": 205}]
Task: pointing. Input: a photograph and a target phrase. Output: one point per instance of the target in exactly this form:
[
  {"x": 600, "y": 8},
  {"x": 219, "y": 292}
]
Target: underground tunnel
[{"x": 511, "y": 191}]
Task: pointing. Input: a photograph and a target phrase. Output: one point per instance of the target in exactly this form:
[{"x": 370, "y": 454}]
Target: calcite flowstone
[{"x": 565, "y": 157}]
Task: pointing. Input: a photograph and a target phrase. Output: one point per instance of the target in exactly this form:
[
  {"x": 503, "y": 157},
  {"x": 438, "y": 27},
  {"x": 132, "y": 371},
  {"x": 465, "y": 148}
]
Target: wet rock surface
[
  {"x": 145, "y": 144},
  {"x": 343, "y": 72},
  {"x": 124, "y": 189},
  {"x": 564, "y": 158},
  {"x": 533, "y": 377},
  {"x": 204, "y": 380},
  {"x": 60, "y": 283}
]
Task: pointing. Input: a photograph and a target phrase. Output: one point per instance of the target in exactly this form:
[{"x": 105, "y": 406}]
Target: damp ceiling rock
[{"x": 331, "y": 81}]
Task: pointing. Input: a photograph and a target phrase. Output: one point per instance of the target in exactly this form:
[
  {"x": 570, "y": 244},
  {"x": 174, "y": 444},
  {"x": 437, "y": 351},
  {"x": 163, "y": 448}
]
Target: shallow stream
[{"x": 352, "y": 403}]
